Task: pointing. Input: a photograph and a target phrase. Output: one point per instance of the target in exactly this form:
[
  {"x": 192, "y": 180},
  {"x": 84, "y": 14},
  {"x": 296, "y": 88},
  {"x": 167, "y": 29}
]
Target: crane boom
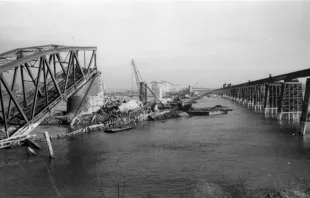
[
  {"x": 195, "y": 85},
  {"x": 137, "y": 73}
]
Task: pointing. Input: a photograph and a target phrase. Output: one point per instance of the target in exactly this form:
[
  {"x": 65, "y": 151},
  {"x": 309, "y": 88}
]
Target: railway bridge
[
  {"x": 35, "y": 80},
  {"x": 283, "y": 96}
]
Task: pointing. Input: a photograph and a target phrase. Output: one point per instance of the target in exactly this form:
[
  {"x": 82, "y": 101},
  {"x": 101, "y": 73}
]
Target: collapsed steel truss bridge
[{"x": 35, "y": 80}]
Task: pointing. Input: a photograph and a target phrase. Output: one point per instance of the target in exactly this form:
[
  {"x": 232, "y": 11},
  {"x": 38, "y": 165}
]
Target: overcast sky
[{"x": 181, "y": 42}]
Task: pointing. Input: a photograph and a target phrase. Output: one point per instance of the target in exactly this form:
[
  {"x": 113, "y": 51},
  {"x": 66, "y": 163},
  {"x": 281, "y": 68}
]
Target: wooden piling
[{"x": 49, "y": 144}]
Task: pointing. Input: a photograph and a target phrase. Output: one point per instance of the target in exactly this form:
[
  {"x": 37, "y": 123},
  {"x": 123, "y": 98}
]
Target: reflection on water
[
  {"x": 163, "y": 159},
  {"x": 259, "y": 110},
  {"x": 271, "y": 116}
]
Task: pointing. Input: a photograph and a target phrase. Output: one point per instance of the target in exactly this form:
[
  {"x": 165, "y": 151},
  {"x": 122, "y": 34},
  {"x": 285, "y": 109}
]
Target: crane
[
  {"x": 137, "y": 73},
  {"x": 139, "y": 79}
]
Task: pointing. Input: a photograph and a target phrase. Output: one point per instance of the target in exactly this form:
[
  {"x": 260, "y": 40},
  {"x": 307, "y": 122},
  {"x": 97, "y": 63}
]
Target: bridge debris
[
  {"x": 31, "y": 143},
  {"x": 30, "y": 151},
  {"x": 15, "y": 141},
  {"x": 49, "y": 144}
]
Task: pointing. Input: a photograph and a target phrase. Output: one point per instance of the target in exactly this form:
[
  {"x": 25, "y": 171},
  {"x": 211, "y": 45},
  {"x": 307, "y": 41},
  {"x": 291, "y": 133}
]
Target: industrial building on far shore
[{"x": 162, "y": 87}]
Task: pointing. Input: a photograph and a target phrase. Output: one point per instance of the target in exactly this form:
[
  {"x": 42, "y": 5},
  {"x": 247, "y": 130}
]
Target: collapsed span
[{"x": 35, "y": 80}]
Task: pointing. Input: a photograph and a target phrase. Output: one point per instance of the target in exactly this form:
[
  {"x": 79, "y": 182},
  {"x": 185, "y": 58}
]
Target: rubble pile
[
  {"x": 169, "y": 114},
  {"x": 56, "y": 120},
  {"x": 117, "y": 112},
  {"x": 94, "y": 118}
]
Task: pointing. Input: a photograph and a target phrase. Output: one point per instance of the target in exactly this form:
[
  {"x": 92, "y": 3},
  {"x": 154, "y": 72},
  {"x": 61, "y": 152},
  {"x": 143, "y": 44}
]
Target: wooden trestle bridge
[
  {"x": 282, "y": 96},
  {"x": 35, "y": 80}
]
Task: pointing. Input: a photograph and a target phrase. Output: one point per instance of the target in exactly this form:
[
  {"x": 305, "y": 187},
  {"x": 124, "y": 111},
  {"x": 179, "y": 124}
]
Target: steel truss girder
[{"x": 33, "y": 105}]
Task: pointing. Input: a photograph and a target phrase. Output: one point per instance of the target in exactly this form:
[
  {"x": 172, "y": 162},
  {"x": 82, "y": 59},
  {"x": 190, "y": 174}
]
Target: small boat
[{"x": 118, "y": 129}]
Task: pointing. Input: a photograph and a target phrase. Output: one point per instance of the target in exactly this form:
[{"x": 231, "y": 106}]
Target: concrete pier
[
  {"x": 143, "y": 92},
  {"x": 88, "y": 99}
]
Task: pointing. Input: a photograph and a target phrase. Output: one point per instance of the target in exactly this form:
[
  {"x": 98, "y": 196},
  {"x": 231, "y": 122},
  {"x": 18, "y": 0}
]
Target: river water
[{"x": 163, "y": 159}]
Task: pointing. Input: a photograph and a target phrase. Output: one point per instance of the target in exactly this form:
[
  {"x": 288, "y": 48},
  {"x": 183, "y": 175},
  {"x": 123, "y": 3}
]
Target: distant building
[{"x": 164, "y": 86}]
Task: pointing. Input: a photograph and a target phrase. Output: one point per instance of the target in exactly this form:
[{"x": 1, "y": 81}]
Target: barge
[{"x": 216, "y": 110}]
